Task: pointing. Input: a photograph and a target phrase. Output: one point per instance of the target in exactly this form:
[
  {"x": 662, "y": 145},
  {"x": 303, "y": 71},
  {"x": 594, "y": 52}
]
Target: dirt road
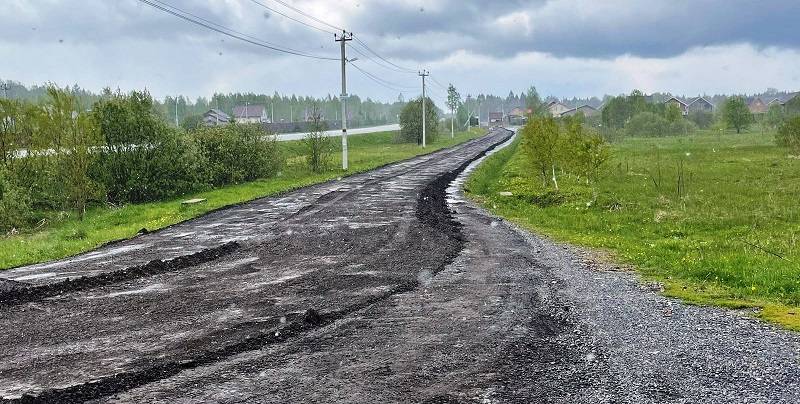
[{"x": 378, "y": 288}]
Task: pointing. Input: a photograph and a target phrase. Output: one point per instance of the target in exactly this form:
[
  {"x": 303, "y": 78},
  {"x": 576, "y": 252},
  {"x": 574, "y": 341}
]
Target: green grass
[
  {"x": 730, "y": 238},
  {"x": 65, "y": 236}
]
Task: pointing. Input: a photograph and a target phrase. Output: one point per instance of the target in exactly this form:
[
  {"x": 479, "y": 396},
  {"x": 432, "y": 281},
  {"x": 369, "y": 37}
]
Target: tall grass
[
  {"x": 714, "y": 217},
  {"x": 65, "y": 235}
]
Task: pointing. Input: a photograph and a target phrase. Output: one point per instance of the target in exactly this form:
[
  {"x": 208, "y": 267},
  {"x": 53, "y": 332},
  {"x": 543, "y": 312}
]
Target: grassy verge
[
  {"x": 715, "y": 218},
  {"x": 68, "y": 236}
]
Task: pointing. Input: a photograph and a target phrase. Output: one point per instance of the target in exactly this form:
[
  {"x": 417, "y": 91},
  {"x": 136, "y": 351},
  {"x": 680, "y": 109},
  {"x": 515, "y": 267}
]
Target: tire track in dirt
[{"x": 432, "y": 212}]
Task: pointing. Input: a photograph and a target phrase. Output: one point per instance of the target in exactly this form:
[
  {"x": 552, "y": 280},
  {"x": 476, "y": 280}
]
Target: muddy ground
[{"x": 385, "y": 287}]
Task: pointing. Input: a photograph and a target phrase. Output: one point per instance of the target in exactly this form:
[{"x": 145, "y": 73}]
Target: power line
[
  {"x": 301, "y": 12},
  {"x": 439, "y": 84},
  {"x": 229, "y": 32},
  {"x": 407, "y": 70},
  {"x": 376, "y": 62},
  {"x": 382, "y": 82},
  {"x": 292, "y": 18}
]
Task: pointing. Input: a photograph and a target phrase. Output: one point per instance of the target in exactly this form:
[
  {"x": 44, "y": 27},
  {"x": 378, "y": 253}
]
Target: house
[
  {"x": 556, "y": 108},
  {"x": 700, "y": 104},
  {"x": 215, "y": 117},
  {"x": 250, "y": 113},
  {"x": 516, "y": 116},
  {"x": 756, "y": 105},
  {"x": 681, "y": 105},
  {"x": 495, "y": 118},
  {"x": 783, "y": 99},
  {"x": 587, "y": 110}
]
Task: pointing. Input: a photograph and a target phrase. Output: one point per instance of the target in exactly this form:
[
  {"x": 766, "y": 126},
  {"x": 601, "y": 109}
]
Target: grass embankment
[
  {"x": 727, "y": 235},
  {"x": 68, "y": 236}
]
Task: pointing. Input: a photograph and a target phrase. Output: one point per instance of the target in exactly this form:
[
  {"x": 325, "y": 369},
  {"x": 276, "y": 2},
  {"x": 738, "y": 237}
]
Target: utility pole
[
  {"x": 5, "y": 88},
  {"x": 176, "y": 110},
  {"x": 272, "y": 114},
  {"x": 343, "y": 39},
  {"x": 423, "y": 74}
]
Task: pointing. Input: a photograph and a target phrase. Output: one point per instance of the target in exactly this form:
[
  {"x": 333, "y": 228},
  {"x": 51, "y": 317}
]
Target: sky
[{"x": 566, "y": 48}]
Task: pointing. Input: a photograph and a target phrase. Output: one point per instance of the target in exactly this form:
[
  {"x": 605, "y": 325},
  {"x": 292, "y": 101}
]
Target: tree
[
  {"x": 317, "y": 146},
  {"x": 534, "y": 104},
  {"x": 453, "y": 101},
  {"x": 673, "y": 112},
  {"x": 616, "y": 113},
  {"x": 76, "y": 133},
  {"x": 736, "y": 114},
  {"x": 540, "y": 139},
  {"x": 789, "y": 134},
  {"x": 143, "y": 158},
  {"x": 191, "y": 122},
  {"x": 411, "y": 121}
]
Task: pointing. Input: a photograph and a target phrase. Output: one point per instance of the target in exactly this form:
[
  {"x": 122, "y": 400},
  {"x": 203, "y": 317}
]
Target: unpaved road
[{"x": 378, "y": 288}]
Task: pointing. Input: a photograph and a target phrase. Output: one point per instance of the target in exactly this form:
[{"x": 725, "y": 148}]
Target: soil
[{"x": 383, "y": 287}]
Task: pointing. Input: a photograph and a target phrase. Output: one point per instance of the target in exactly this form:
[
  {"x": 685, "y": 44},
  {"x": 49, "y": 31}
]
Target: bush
[
  {"x": 411, "y": 122},
  {"x": 15, "y": 203},
  {"x": 237, "y": 153},
  {"x": 143, "y": 159},
  {"x": 648, "y": 124},
  {"x": 703, "y": 119},
  {"x": 789, "y": 135}
]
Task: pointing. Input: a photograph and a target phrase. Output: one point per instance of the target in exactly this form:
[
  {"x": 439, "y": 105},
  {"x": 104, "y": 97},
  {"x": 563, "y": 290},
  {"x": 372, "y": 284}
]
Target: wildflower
[{"x": 752, "y": 288}]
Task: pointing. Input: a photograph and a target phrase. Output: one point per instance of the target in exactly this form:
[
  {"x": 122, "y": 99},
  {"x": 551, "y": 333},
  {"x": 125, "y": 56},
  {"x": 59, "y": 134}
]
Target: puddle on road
[
  {"x": 34, "y": 277},
  {"x": 156, "y": 287}
]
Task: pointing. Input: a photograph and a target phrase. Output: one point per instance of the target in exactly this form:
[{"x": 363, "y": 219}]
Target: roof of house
[
  {"x": 584, "y": 107},
  {"x": 784, "y": 98},
  {"x": 750, "y": 100},
  {"x": 249, "y": 111},
  {"x": 701, "y": 99},
  {"x": 673, "y": 98}
]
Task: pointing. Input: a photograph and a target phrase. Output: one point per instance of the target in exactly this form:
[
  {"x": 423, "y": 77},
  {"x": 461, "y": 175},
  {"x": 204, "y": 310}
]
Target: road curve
[{"x": 386, "y": 287}]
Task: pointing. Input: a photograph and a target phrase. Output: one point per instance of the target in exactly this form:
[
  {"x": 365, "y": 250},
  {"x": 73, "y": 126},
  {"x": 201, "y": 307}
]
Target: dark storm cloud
[{"x": 584, "y": 29}]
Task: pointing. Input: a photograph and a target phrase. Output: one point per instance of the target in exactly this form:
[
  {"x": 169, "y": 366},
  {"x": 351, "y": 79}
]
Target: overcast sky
[{"x": 565, "y": 48}]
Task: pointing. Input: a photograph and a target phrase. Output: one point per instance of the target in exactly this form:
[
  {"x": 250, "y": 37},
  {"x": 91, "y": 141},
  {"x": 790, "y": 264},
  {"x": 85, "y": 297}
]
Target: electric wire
[
  {"x": 229, "y": 32},
  {"x": 384, "y": 83},
  {"x": 407, "y": 70},
  {"x": 303, "y": 13},
  {"x": 375, "y": 61},
  {"x": 292, "y": 18},
  {"x": 439, "y": 84}
]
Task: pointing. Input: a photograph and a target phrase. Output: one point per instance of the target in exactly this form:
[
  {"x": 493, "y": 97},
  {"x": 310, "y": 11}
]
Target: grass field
[
  {"x": 715, "y": 218},
  {"x": 68, "y": 236}
]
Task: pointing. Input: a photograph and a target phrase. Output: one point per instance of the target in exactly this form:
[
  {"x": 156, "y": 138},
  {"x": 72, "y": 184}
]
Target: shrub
[
  {"x": 237, "y": 153},
  {"x": 789, "y": 135},
  {"x": 411, "y": 122},
  {"x": 15, "y": 203},
  {"x": 143, "y": 159}
]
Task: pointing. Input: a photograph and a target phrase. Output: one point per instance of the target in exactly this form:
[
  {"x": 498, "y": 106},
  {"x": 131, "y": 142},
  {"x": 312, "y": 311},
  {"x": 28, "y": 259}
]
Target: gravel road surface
[{"x": 383, "y": 287}]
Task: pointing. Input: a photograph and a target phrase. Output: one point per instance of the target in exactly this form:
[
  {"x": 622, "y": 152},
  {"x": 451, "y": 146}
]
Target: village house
[
  {"x": 681, "y": 105},
  {"x": 250, "y": 114},
  {"x": 556, "y": 108},
  {"x": 756, "y": 105},
  {"x": 215, "y": 117},
  {"x": 700, "y": 104},
  {"x": 587, "y": 110}
]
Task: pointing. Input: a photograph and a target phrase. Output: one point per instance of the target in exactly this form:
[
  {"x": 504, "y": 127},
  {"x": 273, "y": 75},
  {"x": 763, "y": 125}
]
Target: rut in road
[{"x": 433, "y": 221}]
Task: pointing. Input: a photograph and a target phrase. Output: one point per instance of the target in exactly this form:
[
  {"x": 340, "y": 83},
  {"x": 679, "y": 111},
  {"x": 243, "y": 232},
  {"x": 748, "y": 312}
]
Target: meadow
[
  {"x": 65, "y": 235},
  {"x": 714, "y": 217}
]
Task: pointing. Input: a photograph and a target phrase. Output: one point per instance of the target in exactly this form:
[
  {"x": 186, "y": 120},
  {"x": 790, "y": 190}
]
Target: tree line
[{"x": 59, "y": 157}]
